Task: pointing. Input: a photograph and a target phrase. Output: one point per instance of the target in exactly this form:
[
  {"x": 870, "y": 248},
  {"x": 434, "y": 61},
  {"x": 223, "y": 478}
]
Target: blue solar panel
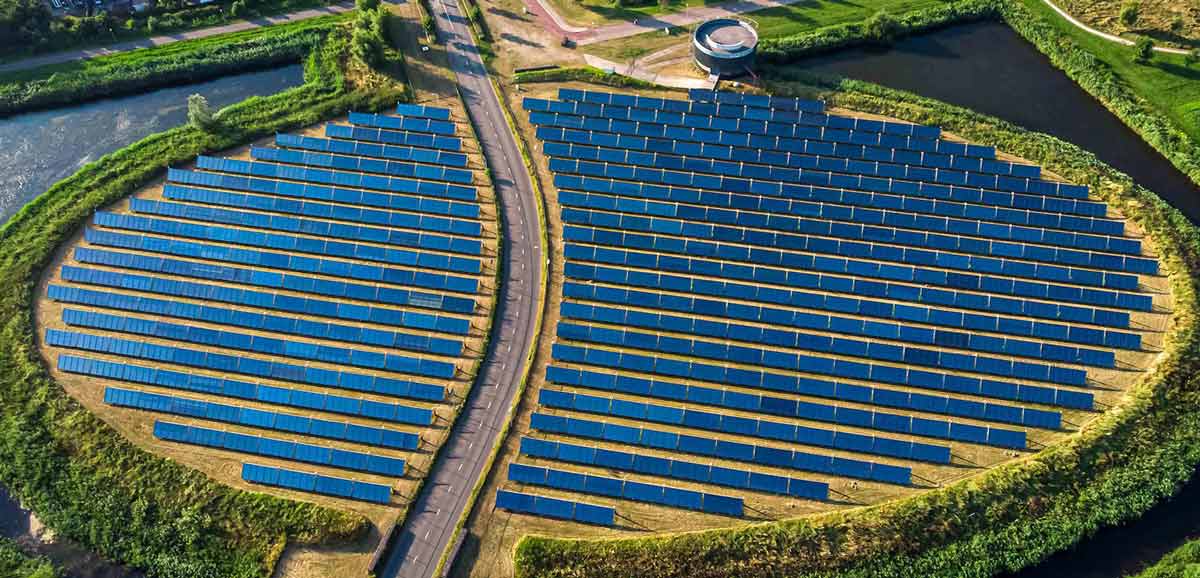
[{"x": 340, "y": 487}]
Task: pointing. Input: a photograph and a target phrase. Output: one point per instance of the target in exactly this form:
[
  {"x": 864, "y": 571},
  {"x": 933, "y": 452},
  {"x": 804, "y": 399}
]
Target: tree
[
  {"x": 1143, "y": 50},
  {"x": 366, "y": 5},
  {"x": 237, "y": 9},
  {"x": 23, "y": 24},
  {"x": 200, "y": 113},
  {"x": 152, "y": 24},
  {"x": 1130, "y": 13},
  {"x": 881, "y": 28},
  {"x": 1192, "y": 57}
]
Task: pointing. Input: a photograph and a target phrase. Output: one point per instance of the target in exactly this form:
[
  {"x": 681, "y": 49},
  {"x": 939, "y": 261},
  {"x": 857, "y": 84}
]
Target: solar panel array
[
  {"x": 319, "y": 304},
  {"x": 765, "y": 298}
]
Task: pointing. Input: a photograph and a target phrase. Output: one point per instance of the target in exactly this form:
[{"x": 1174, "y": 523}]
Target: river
[
  {"x": 989, "y": 68},
  {"x": 42, "y": 148}
]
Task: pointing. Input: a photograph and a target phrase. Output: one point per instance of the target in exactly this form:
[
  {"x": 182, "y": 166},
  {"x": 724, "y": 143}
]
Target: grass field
[
  {"x": 802, "y": 17},
  {"x": 1169, "y": 21}
]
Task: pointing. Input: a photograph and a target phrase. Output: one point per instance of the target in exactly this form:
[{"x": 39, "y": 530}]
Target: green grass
[
  {"x": 1183, "y": 562},
  {"x": 800, "y": 18},
  {"x": 16, "y": 564},
  {"x": 1166, "y": 82}
]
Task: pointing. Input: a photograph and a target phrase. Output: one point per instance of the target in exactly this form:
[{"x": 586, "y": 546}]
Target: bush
[
  {"x": 237, "y": 9},
  {"x": 1143, "y": 49},
  {"x": 1192, "y": 57},
  {"x": 881, "y": 28},
  {"x": 1130, "y": 13},
  {"x": 152, "y": 24},
  {"x": 366, "y": 5}
]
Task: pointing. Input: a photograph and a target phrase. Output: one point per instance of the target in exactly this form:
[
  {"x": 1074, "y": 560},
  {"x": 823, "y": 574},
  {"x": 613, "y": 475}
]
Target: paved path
[
  {"x": 430, "y": 523},
  {"x": 86, "y": 53},
  {"x": 642, "y": 73},
  {"x": 585, "y": 35},
  {"x": 1105, "y": 35}
]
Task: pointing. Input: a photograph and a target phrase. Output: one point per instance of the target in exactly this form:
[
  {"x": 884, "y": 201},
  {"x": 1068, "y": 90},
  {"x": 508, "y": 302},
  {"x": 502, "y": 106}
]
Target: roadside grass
[
  {"x": 802, "y": 17},
  {"x": 601, "y": 12},
  {"x": 1167, "y": 82}
]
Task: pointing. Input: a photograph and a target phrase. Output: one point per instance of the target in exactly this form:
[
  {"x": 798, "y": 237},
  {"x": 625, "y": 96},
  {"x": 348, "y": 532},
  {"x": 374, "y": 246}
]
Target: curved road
[{"x": 429, "y": 526}]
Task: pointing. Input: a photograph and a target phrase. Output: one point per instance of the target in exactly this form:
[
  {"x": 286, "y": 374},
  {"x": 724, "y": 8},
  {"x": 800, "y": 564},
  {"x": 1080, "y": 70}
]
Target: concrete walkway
[
  {"x": 582, "y": 36},
  {"x": 86, "y": 53},
  {"x": 1105, "y": 35},
  {"x": 640, "y": 73}
]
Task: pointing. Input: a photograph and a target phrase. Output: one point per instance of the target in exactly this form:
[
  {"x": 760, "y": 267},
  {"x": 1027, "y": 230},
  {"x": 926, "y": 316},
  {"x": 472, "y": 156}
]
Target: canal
[{"x": 989, "y": 68}]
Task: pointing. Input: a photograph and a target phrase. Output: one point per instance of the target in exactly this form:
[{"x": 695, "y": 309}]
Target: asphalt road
[
  {"x": 427, "y": 531},
  {"x": 85, "y": 53}
]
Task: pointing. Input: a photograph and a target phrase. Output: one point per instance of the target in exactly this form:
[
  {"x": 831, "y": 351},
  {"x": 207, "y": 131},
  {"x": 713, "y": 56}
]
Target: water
[
  {"x": 42, "y": 148},
  {"x": 989, "y": 68}
]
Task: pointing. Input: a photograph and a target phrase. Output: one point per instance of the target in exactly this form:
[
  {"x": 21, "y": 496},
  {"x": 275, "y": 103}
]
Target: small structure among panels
[
  {"x": 764, "y": 301},
  {"x": 318, "y": 304}
]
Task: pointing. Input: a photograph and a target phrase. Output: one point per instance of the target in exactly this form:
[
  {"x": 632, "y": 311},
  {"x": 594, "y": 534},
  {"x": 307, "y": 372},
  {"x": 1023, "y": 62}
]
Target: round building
[{"x": 725, "y": 47}]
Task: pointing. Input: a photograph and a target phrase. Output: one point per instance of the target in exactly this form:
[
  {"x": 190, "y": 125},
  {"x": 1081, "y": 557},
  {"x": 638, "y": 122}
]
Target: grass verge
[{"x": 82, "y": 478}]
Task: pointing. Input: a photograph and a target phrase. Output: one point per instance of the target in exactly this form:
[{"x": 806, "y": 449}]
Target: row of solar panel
[
  {"x": 393, "y": 137},
  {"x": 751, "y": 427},
  {"x": 405, "y": 123},
  {"x": 302, "y": 284},
  {"x": 325, "y": 193},
  {"x": 363, "y": 164},
  {"x": 701, "y": 181},
  {"x": 628, "y": 489},
  {"x": 258, "y": 418},
  {"x": 906, "y": 158},
  {"x": 341, "y": 178},
  {"x": 260, "y": 239},
  {"x": 279, "y": 448},
  {"x": 912, "y": 217},
  {"x": 316, "y": 483},
  {"x": 823, "y": 388},
  {"x": 673, "y": 468},
  {"x": 835, "y": 414},
  {"x": 789, "y": 111},
  {"x": 755, "y": 100},
  {"x": 330, "y": 211},
  {"x": 190, "y": 381},
  {"x": 925, "y": 198},
  {"x": 259, "y": 321},
  {"x": 273, "y": 301},
  {"x": 932, "y": 296},
  {"x": 659, "y": 138},
  {"x": 682, "y": 105},
  {"x": 1016, "y": 259},
  {"x": 336, "y": 230},
  {"x": 865, "y": 307},
  {"x": 229, "y": 340},
  {"x": 284, "y": 261},
  {"x": 720, "y": 448},
  {"x": 751, "y": 356},
  {"x": 246, "y": 366},
  {"x": 554, "y": 508},
  {"x": 366, "y": 149},
  {"x": 422, "y": 111},
  {"x": 798, "y": 271},
  {"x": 772, "y": 336},
  {"x": 771, "y": 179}
]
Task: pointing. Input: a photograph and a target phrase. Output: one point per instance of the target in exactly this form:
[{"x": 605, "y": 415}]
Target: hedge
[
  {"x": 1116, "y": 468},
  {"x": 82, "y": 477}
]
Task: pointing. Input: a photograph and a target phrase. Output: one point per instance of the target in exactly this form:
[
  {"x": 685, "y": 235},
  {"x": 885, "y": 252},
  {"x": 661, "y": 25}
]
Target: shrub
[
  {"x": 1192, "y": 57},
  {"x": 366, "y": 5},
  {"x": 237, "y": 9},
  {"x": 152, "y": 24},
  {"x": 1130, "y": 13},
  {"x": 881, "y": 28},
  {"x": 1143, "y": 49}
]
